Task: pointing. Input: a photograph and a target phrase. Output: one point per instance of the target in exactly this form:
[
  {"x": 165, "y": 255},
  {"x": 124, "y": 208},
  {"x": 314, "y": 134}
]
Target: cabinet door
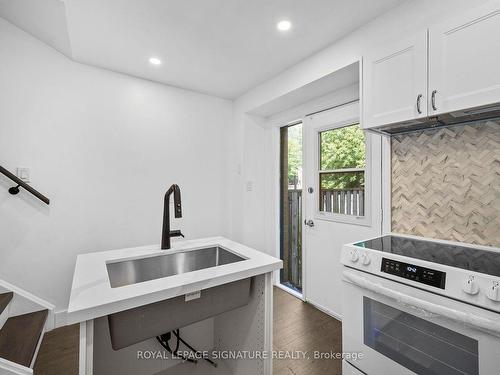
[
  {"x": 395, "y": 82},
  {"x": 464, "y": 60}
]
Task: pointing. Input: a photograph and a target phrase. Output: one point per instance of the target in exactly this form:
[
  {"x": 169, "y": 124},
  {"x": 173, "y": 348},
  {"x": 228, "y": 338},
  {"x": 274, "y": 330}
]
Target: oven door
[{"x": 405, "y": 330}]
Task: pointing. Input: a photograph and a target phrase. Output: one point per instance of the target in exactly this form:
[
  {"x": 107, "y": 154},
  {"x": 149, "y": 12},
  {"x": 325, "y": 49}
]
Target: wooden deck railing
[
  {"x": 343, "y": 201},
  {"x": 294, "y": 266}
]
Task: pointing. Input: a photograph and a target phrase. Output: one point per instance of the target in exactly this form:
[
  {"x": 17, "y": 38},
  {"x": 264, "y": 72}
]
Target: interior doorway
[{"x": 291, "y": 206}]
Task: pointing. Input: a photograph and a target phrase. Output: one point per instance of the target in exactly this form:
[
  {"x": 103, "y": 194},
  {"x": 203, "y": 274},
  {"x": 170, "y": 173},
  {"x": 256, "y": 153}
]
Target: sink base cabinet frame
[{"x": 247, "y": 329}]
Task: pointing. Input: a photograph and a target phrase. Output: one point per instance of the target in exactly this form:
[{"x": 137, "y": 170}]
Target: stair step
[
  {"x": 20, "y": 335},
  {"x": 4, "y": 300}
]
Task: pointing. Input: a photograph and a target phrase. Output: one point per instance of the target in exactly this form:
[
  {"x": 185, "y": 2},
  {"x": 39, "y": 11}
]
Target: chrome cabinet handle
[
  {"x": 419, "y": 99},
  {"x": 433, "y": 100},
  {"x": 309, "y": 223}
]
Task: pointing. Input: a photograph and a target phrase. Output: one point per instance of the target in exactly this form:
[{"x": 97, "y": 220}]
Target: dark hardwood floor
[{"x": 299, "y": 326}]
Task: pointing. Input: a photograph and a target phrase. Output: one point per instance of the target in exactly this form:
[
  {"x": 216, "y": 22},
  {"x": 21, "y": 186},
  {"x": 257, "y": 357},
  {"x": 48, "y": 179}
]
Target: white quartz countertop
[{"x": 93, "y": 297}]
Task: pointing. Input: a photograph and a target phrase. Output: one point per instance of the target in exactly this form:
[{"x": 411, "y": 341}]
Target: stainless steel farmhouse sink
[
  {"x": 134, "y": 271},
  {"x": 131, "y": 326}
]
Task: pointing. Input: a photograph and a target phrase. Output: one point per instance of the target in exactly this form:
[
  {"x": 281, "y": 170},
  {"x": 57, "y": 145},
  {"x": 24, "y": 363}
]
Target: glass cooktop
[{"x": 487, "y": 262}]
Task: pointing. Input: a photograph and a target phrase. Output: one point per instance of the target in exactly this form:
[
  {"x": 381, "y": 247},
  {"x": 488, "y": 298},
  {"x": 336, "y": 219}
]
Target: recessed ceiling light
[
  {"x": 284, "y": 25},
  {"x": 155, "y": 60}
]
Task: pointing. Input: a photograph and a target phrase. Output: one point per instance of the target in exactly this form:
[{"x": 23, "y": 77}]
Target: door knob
[{"x": 309, "y": 223}]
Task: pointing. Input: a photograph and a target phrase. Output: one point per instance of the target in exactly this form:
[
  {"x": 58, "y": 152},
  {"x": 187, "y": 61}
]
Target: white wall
[
  {"x": 251, "y": 209},
  {"x": 104, "y": 148}
]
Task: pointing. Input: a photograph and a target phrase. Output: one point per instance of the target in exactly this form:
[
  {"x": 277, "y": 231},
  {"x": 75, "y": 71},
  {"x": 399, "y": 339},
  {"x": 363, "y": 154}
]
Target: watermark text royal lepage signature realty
[{"x": 249, "y": 355}]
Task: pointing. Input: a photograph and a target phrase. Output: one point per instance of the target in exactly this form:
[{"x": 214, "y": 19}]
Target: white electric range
[{"x": 419, "y": 306}]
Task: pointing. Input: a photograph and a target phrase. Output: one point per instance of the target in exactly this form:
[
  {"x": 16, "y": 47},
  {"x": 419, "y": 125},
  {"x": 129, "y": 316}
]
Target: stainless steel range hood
[{"x": 462, "y": 117}]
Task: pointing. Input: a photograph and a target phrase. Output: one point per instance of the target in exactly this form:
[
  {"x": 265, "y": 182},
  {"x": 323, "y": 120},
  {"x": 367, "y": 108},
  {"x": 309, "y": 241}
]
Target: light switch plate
[{"x": 24, "y": 174}]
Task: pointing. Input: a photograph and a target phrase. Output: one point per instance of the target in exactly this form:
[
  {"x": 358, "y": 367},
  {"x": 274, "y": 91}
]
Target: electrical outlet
[{"x": 24, "y": 174}]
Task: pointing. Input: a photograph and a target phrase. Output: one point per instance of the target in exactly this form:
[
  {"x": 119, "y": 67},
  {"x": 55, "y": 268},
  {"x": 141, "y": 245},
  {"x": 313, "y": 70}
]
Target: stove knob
[
  {"x": 493, "y": 292},
  {"x": 470, "y": 286},
  {"x": 365, "y": 260},
  {"x": 354, "y": 256}
]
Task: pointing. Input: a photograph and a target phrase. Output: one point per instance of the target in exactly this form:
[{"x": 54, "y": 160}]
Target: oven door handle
[{"x": 425, "y": 307}]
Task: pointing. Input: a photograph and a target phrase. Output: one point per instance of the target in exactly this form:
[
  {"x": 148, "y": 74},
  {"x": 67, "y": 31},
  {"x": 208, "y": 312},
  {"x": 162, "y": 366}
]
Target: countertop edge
[{"x": 129, "y": 303}]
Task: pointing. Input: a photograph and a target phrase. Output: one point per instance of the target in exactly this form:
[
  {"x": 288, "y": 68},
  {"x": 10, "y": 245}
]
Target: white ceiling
[{"x": 219, "y": 47}]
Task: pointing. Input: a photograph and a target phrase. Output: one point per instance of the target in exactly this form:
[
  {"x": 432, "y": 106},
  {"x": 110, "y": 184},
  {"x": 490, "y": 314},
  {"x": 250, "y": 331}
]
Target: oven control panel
[{"x": 415, "y": 273}]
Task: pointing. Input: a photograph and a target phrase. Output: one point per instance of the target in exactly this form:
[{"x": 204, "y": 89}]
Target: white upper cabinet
[
  {"x": 395, "y": 82},
  {"x": 464, "y": 60},
  {"x": 453, "y": 66}
]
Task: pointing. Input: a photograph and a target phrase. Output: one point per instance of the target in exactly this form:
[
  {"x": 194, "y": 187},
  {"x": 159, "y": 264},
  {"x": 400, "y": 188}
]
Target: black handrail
[{"x": 20, "y": 183}]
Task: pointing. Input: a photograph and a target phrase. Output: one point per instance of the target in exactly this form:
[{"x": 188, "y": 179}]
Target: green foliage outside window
[
  {"x": 294, "y": 153},
  {"x": 339, "y": 149}
]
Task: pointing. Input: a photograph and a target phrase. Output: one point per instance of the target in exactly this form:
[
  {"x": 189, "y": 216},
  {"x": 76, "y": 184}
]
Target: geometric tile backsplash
[{"x": 446, "y": 183}]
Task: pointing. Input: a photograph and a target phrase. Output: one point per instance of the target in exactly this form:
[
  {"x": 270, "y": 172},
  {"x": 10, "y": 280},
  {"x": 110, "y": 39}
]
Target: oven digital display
[{"x": 415, "y": 273}]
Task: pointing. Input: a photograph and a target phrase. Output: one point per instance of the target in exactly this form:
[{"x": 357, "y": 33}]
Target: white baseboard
[
  {"x": 326, "y": 311},
  {"x": 61, "y": 318}
]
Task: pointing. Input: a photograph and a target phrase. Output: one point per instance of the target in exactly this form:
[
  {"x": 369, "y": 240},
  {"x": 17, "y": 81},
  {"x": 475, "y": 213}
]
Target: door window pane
[
  {"x": 342, "y": 162},
  {"x": 417, "y": 344}
]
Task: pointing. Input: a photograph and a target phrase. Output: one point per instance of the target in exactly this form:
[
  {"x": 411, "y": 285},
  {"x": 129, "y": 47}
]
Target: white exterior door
[
  {"x": 395, "y": 82},
  {"x": 464, "y": 61},
  {"x": 329, "y": 227}
]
